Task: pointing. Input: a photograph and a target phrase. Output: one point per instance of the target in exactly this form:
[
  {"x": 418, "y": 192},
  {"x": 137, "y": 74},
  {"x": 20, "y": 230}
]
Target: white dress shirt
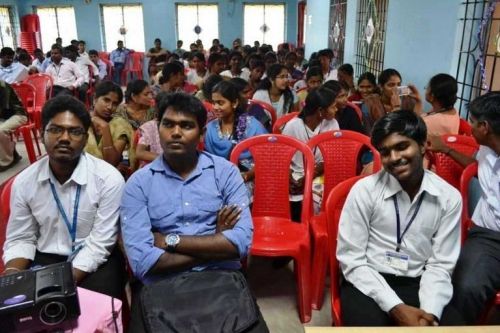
[
  {"x": 83, "y": 63},
  {"x": 263, "y": 95},
  {"x": 193, "y": 78},
  {"x": 368, "y": 229},
  {"x": 245, "y": 74},
  {"x": 66, "y": 74},
  {"x": 35, "y": 222},
  {"x": 16, "y": 72},
  {"x": 487, "y": 212}
]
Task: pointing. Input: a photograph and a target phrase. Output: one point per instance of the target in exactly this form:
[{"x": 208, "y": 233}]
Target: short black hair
[
  {"x": 65, "y": 103},
  {"x": 57, "y": 47},
  {"x": 170, "y": 69},
  {"x": 347, "y": 68},
  {"x": 444, "y": 88},
  {"x": 325, "y": 53},
  {"x": 93, "y": 52},
  {"x": 403, "y": 122},
  {"x": 335, "y": 86},
  {"x": 367, "y": 76},
  {"x": 314, "y": 71},
  {"x": 185, "y": 104},
  {"x": 487, "y": 108},
  {"x": 82, "y": 42},
  {"x": 198, "y": 55},
  {"x": 6, "y": 52},
  {"x": 105, "y": 87},
  {"x": 157, "y": 40}
]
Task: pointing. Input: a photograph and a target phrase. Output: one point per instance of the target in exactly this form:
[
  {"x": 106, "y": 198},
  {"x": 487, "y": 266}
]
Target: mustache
[{"x": 400, "y": 162}]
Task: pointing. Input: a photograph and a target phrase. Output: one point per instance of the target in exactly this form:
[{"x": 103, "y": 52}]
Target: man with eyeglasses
[{"x": 65, "y": 206}]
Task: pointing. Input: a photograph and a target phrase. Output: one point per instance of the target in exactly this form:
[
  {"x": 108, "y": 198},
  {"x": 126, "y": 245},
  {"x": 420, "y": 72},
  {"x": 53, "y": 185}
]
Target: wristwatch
[{"x": 172, "y": 240}]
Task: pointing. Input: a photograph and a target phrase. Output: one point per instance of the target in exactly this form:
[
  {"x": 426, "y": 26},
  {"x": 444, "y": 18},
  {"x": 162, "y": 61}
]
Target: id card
[{"x": 397, "y": 260}]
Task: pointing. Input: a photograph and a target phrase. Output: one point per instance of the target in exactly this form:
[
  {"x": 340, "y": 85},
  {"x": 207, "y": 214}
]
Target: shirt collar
[
  {"x": 491, "y": 156},
  {"x": 394, "y": 187},
  {"x": 205, "y": 161},
  {"x": 78, "y": 176}
]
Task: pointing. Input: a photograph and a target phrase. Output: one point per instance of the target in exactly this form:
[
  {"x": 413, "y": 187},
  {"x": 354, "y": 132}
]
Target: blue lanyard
[
  {"x": 398, "y": 221},
  {"x": 71, "y": 228}
]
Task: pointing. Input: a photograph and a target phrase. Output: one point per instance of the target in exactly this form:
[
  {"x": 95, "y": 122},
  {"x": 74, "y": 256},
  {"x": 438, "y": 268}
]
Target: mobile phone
[{"x": 403, "y": 90}]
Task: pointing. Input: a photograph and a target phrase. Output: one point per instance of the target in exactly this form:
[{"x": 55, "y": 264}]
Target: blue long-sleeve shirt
[{"x": 156, "y": 198}]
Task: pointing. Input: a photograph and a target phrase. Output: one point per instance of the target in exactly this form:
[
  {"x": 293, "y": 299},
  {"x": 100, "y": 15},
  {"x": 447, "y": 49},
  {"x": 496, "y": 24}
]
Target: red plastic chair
[
  {"x": 280, "y": 122},
  {"x": 267, "y": 107},
  {"x": 334, "y": 204},
  {"x": 26, "y": 131},
  {"x": 275, "y": 235},
  {"x": 469, "y": 172},
  {"x": 4, "y": 213},
  {"x": 27, "y": 95},
  {"x": 464, "y": 128},
  {"x": 341, "y": 151},
  {"x": 43, "y": 84},
  {"x": 357, "y": 109},
  {"x": 133, "y": 66},
  {"x": 210, "y": 111},
  {"x": 446, "y": 167},
  {"x": 103, "y": 55}
]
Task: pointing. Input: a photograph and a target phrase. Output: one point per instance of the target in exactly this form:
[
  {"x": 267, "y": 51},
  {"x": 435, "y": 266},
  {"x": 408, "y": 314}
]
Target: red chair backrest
[
  {"x": 341, "y": 151},
  {"x": 464, "y": 128},
  {"x": 26, "y": 93},
  {"x": 134, "y": 62},
  {"x": 357, "y": 109},
  {"x": 104, "y": 55},
  {"x": 272, "y": 155},
  {"x": 280, "y": 122},
  {"x": 469, "y": 172},
  {"x": 446, "y": 167},
  {"x": 266, "y": 106},
  {"x": 4, "y": 214},
  {"x": 334, "y": 204},
  {"x": 43, "y": 84}
]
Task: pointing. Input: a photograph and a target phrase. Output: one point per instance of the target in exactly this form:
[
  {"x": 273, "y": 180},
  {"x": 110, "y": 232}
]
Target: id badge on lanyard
[{"x": 71, "y": 227}]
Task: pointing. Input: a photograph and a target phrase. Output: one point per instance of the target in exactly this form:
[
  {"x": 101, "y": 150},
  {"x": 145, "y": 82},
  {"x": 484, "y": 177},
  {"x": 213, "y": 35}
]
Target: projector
[{"x": 43, "y": 300}]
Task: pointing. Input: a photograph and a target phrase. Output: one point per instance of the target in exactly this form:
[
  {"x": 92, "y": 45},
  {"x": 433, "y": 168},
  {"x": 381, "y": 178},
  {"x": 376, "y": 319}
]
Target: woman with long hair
[
  {"x": 274, "y": 90},
  {"x": 231, "y": 126}
]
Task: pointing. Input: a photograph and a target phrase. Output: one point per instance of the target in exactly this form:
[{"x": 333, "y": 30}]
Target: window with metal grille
[
  {"x": 7, "y": 31},
  {"x": 125, "y": 23},
  {"x": 198, "y": 22},
  {"x": 371, "y": 24},
  {"x": 336, "y": 35},
  {"x": 264, "y": 23},
  {"x": 56, "y": 22},
  {"x": 478, "y": 70}
]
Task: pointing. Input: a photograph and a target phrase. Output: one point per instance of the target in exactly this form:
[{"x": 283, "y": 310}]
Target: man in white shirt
[
  {"x": 36, "y": 65},
  {"x": 66, "y": 205},
  {"x": 65, "y": 73},
  {"x": 477, "y": 276},
  {"x": 11, "y": 71},
  {"x": 84, "y": 65},
  {"x": 399, "y": 234},
  {"x": 81, "y": 49}
]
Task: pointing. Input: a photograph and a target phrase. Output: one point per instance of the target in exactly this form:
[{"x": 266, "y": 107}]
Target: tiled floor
[{"x": 274, "y": 288}]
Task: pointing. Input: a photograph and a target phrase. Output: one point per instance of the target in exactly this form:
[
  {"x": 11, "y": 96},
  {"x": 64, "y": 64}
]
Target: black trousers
[
  {"x": 137, "y": 324},
  {"x": 361, "y": 310},
  {"x": 59, "y": 90},
  {"x": 476, "y": 278},
  {"x": 109, "y": 279}
]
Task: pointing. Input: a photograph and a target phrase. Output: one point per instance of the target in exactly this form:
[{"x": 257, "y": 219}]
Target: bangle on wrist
[
  {"x": 107, "y": 147},
  {"x": 12, "y": 269}
]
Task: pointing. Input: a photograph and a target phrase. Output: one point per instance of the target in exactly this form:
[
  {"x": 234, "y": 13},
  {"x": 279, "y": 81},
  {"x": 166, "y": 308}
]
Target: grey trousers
[{"x": 6, "y": 144}]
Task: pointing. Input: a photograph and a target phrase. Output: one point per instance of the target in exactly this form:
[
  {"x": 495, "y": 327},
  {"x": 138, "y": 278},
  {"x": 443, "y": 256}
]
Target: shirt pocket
[
  {"x": 208, "y": 212},
  {"x": 85, "y": 222},
  {"x": 160, "y": 212}
]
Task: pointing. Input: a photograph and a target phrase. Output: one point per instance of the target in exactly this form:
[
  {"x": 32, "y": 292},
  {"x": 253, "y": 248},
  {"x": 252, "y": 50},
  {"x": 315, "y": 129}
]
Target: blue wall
[
  {"x": 317, "y": 21},
  {"x": 159, "y": 18}
]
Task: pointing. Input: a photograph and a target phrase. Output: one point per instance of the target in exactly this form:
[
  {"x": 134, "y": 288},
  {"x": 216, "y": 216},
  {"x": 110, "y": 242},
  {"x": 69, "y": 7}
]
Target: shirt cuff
[
  {"x": 234, "y": 236},
  {"x": 87, "y": 261},
  {"x": 388, "y": 301},
  {"x": 432, "y": 308},
  {"x": 147, "y": 261},
  {"x": 26, "y": 251}
]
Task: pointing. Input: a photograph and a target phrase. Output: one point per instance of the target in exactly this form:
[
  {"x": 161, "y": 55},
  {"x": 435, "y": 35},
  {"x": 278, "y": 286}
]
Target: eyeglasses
[{"x": 75, "y": 133}]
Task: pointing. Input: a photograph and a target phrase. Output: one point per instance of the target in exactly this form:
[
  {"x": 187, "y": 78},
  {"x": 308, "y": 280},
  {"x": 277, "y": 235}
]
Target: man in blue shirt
[
  {"x": 119, "y": 57},
  {"x": 187, "y": 210}
]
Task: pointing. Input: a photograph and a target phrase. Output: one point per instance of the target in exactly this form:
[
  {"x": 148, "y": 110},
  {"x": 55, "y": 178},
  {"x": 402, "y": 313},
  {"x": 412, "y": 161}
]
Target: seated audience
[
  {"x": 314, "y": 79},
  {"x": 236, "y": 68},
  {"x": 65, "y": 206},
  {"x": 441, "y": 93},
  {"x": 164, "y": 244},
  {"x": 290, "y": 61},
  {"x": 66, "y": 75},
  {"x": 345, "y": 74},
  {"x": 118, "y": 58},
  {"x": 257, "y": 69},
  {"x": 81, "y": 49},
  {"x": 232, "y": 126},
  {"x": 137, "y": 108},
  {"x": 325, "y": 59},
  {"x": 11, "y": 71},
  {"x": 216, "y": 63},
  {"x": 399, "y": 234},
  {"x": 388, "y": 100},
  {"x": 367, "y": 85},
  {"x": 198, "y": 72},
  {"x": 205, "y": 94},
  {"x": 102, "y": 72},
  {"x": 108, "y": 136},
  {"x": 476, "y": 278},
  {"x": 172, "y": 77},
  {"x": 38, "y": 61},
  {"x": 84, "y": 64},
  {"x": 317, "y": 116},
  {"x": 274, "y": 90},
  {"x": 346, "y": 116},
  {"x": 179, "y": 50},
  {"x": 12, "y": 116},
  {"x": 157, "y": 54}
]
